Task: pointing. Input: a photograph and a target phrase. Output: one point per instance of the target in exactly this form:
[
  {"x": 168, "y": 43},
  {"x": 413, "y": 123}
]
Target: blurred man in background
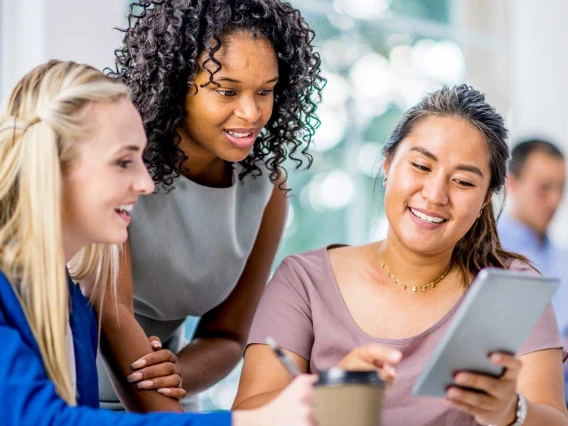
[{"x": 537, "y": 176}]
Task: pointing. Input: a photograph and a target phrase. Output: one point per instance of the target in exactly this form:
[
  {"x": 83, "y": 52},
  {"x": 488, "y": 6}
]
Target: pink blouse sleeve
[
  {"x": 544, "y": 335},
  {"x": 284, "y": 312}
]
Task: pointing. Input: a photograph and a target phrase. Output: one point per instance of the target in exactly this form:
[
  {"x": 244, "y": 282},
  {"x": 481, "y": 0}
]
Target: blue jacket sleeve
[{"x": 28, "y": 397}]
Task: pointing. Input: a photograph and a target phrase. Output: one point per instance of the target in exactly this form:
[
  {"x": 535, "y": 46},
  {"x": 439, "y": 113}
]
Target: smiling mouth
[
  {"x": 124, "y": 209},
  {"x": 426, "y": 218},
  {"x": 239, "y": 135}
]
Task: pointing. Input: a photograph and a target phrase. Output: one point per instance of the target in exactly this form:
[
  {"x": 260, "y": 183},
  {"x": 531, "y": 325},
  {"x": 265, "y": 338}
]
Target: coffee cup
[{"x": 349, "y": 398}]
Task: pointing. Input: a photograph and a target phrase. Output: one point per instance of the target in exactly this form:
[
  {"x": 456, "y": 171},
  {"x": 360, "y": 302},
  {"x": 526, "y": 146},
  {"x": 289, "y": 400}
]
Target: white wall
[
  {"x": 539, "y": 79},
  {"x": 33, "y": 31},
  {"x": 22, "y": 45}
]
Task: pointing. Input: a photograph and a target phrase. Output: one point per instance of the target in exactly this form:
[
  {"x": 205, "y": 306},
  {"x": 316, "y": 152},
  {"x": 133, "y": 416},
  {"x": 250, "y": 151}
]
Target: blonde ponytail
[{"x": 40, "y": 126}]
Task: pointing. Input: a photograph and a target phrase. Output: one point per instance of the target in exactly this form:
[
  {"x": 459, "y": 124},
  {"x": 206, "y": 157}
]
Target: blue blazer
[{"x": 28, "y": 397}]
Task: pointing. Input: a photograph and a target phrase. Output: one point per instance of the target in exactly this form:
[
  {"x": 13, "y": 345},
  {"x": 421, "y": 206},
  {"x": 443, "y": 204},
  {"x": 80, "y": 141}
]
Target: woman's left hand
[
  {"x": 496, "y": 404},
  {"x": 158, "y": 370}
]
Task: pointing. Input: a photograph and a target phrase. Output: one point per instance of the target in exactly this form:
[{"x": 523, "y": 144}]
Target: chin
[
  {"x": 233, "y": 154},
  {"x": 421, "y": 245},
  {"x": 233, "y": 157},
  {"x": 117, "y": 237}
]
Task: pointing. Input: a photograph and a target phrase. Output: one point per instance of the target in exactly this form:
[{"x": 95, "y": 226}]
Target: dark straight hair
[
  {"x": 522, "y": 151},
  {"x": 480, "y": 247}
]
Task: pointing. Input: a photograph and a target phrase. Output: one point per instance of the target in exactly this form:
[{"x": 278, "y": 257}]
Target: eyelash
[
  {"x": 224, "y": 93},
  {"x": 463, "y": 183},
  {"x": 420, "y": 167},
  {"x": 458, "y": 181},
  {"x": 123, "y": 164}
]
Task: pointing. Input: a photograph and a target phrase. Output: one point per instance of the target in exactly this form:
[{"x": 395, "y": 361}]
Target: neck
[
  {"x": 541, "y": 236},
  {"x": 204, "y": 167},
  {"x": 70, "y": 246},
  {"x": 411, "y": 268}
]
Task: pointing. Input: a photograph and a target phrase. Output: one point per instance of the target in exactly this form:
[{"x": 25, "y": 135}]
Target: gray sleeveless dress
[{"x": 189, "y": 248}]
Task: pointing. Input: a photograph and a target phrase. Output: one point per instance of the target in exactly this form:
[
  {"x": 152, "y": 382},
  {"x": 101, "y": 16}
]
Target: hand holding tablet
[{"x": 496, "y": 315}]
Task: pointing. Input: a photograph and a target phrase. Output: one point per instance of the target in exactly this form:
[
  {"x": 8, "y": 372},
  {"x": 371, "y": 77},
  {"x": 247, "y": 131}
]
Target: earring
[{"x": 385, "y": 181}]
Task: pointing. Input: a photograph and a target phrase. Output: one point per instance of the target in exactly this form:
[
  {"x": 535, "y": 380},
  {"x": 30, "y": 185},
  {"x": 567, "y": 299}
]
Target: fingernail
[
  {"x": 165, "y": 391},
  {"x": 134, "y": 377},
  {"x": 156, "y": 344},
  {"x": 146, "y": 384},
  {"x": 453, "y": 393},
  {"x": 461, "y": 378},
  {"x": 138, "y": 364},
  {"x": 496, "y": 357}
]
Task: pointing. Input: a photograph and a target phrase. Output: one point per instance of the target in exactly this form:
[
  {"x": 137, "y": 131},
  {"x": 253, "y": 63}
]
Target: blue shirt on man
[{"x": 548, "y": 258}]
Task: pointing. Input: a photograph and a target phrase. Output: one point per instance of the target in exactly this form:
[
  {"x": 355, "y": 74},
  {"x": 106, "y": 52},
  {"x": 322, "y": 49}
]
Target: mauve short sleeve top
[{"x": 302, "y": 308}]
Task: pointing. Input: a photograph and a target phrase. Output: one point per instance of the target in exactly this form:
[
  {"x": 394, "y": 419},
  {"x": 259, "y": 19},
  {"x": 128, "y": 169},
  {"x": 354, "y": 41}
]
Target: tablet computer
[{"x": 497, "y": 314}]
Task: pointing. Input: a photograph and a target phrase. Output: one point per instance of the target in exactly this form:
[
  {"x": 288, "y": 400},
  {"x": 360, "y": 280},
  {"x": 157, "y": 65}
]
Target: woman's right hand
[
  {"x": 294, "y": 406},
  {"x": 372, "y": 357},
  {"x": 159, "y": 370}
]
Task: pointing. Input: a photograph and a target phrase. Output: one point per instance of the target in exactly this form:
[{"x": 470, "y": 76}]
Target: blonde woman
[{"x": 71, "y": 170}]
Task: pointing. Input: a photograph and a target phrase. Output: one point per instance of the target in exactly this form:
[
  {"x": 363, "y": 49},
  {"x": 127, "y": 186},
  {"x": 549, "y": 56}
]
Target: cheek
[
  {"x": 469, "y": 209},
  {"x": 216, "y": 113},
  {"x": 203, "y": 111},
  {"x": 267, "y": 107},
  {"x": 399, "y": 189},
  {"x": 73, "y": 190}
]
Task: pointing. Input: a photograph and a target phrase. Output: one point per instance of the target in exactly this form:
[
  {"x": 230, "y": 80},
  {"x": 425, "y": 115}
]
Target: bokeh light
[{"x": 330, "y": 191}]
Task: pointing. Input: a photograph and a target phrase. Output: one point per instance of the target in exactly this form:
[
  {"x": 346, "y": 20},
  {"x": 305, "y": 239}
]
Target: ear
[
  {"x": 488, "y": 198},
  {"x": 511, "y": 182},
  {"x": 386, "y": 166},
  {"x": 486, "y": 202}
]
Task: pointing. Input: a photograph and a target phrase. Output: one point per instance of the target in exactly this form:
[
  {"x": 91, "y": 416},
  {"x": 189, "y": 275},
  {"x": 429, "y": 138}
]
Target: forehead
[
  {"x": 449, "y": 139},
  {"x": 113, "y": 124},
  {"x": 243, "y": 53},
  {"x": 542, "y": 164}
]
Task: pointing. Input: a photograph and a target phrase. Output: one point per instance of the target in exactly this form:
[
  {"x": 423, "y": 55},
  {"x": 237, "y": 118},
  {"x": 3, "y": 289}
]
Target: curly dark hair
[{"x": 159, "y": 60}]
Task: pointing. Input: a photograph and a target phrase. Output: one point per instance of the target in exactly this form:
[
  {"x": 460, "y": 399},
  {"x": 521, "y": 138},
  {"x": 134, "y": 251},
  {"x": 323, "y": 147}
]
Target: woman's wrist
[
  {"x": 517, "y": 413},
  {"x": 512, "y": 417}
]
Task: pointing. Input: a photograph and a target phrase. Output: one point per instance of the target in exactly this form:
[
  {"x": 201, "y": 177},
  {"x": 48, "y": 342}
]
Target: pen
[{"x": 284, "y": 359}]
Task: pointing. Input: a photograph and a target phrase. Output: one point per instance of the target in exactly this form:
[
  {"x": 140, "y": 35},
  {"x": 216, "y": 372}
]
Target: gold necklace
[{"x": 414, "y": 288}]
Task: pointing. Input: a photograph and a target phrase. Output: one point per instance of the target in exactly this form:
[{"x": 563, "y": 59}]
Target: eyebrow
[
  {"x": 134, "y": 148},
  {"x": 463, "y": 167},
  {"x": 232, "y": 80}
]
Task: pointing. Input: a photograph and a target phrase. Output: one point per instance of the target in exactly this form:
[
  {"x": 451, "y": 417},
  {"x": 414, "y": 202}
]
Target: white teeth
[
  {"x": 239, "y": 135},
  {"x": 127, "y": 208},
  {"x": 427, "y": 218}
]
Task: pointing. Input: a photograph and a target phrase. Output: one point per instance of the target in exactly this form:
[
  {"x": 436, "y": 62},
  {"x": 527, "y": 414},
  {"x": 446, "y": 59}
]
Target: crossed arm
[{"x": 219, "y": 339}]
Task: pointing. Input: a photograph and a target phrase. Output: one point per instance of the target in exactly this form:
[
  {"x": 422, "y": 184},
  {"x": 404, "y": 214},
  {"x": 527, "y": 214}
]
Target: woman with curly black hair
[{"x": 227, "y": 91}]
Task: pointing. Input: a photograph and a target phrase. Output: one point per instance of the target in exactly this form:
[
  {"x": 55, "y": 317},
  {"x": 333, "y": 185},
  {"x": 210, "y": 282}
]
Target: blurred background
[{"x": 380, "y": 57}]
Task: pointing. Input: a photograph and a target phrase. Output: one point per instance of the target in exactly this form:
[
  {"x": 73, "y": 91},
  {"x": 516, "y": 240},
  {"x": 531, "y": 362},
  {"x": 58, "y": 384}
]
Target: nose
[
  {"x": 143, "y": 183},
  {"x": 248, "y": 109},
  {"x": 435, "y": 190}
]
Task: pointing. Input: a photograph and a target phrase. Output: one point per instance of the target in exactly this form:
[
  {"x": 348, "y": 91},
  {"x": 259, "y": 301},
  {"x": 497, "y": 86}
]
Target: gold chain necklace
[{"x": 414, "y": 288}]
